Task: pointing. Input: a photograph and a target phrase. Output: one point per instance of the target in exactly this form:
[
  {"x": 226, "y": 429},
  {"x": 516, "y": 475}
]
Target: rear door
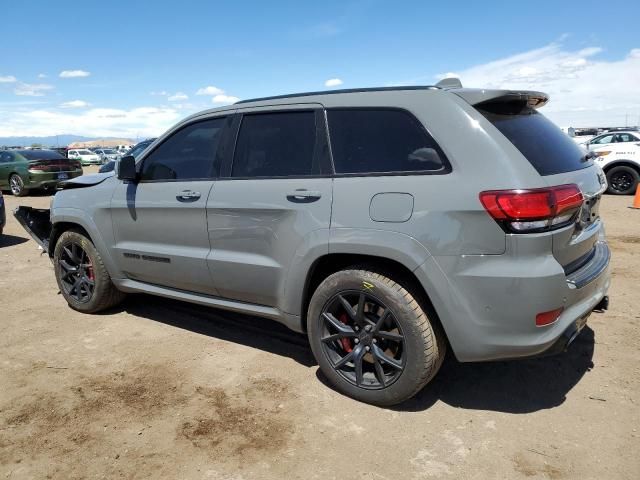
[
  {"x": 274, "y": 195},
  {"x": 160, "y": 223}
]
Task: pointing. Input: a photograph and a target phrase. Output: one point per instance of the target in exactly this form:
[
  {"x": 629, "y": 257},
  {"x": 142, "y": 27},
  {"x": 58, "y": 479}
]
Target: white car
[
  {"x": 107, "y": 154},
  {"x": 621, "y": 164},
  {"x": 608, "y": 138},
  {"x": 86, "y": 157}
]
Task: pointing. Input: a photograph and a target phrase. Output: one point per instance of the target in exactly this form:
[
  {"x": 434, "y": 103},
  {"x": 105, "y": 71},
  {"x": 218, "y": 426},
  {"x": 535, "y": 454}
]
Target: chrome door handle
[
  {"x": 303, "y": 196},
  {"x": 188, "y": 195}
]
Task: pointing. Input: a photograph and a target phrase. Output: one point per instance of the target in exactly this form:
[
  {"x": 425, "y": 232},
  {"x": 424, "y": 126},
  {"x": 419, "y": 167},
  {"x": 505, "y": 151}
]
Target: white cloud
[
  {"x": 178, "y": 96},
  {"x": 584, "y": 91},
  {"x": 75, "y": 104},
  {"x": 333, "y": 82},
  {"x": 161, "y": 93},
  {"x": 143, "y": 121},
  {"x": 210, "y": 90},
  {"x": 74, "y": 74},
  {"x": 32, "y": 89},
  {"x": 8, "y": 79},
  {"x": 42, "y": 75},
  {"x": 217, "y": 95},
  {"x": 225, "y": 99}
]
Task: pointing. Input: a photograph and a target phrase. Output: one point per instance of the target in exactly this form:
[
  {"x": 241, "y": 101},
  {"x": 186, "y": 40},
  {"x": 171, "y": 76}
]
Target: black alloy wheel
[
  {"x": 362, "y": 340},
  {"x": 78, "y": 278}
]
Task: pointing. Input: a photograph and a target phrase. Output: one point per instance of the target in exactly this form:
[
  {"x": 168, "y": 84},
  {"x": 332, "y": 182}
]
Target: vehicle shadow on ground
[
  {"x": 254, "y": 332},
  {"x": 11, "y": 240},
  {"x": 517, "y": 386}
]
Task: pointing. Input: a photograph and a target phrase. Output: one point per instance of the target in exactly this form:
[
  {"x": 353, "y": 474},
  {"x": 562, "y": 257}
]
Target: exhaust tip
[{"x": 602, "y": 305}]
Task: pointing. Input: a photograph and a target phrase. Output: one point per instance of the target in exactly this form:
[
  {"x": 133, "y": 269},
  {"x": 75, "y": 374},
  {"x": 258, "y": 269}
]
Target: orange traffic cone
[{"x": 636, "y": 199}]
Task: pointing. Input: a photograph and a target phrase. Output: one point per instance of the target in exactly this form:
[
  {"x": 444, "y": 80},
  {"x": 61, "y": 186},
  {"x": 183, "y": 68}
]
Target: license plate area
[{"x": 63, "y": 176}]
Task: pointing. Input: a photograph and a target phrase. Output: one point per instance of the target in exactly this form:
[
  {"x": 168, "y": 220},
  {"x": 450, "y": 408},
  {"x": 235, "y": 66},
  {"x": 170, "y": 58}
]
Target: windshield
[
  {"x": 108, "y": 151},
  {"x": 85, "y": 152}
]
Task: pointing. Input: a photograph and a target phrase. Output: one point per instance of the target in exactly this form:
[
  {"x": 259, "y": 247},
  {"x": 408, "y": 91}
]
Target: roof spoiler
[{"x": 477, "y": 97}]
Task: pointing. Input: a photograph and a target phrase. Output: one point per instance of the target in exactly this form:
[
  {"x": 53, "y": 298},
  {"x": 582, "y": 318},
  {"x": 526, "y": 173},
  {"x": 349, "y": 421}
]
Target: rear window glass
[
  {"x": 40, "y": 155},
  {"x": 381, "y": 141},
  {"x": 545, "y": 146}
]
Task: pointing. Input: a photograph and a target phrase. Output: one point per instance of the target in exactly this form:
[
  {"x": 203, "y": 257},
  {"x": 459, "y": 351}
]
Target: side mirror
[{"x": 127, "y": 168}]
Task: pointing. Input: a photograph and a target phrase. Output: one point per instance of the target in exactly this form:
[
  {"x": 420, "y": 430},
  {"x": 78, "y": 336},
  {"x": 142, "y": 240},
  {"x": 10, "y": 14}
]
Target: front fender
[{"x": 101, "y": 238}]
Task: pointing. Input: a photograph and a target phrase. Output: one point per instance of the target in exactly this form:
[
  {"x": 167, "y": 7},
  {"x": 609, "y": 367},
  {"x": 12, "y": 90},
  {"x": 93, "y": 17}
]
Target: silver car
[{"x": 388, "y": 224}]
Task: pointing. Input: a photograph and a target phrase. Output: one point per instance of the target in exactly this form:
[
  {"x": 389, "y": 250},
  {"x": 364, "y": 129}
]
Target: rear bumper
[
  {"x": 572, "y": 332},
  {"x": 488, "y": 304},
  {"x": 48, "y": 179}
]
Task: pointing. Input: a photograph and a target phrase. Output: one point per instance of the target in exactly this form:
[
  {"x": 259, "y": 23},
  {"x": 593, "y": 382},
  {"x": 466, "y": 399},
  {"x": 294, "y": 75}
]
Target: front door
[
  {"x": 160, "y": 223},
  {"x": 271, "y": 201}
]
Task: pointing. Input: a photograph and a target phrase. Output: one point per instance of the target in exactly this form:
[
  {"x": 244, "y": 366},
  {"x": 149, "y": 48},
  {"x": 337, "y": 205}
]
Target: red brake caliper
[
  {"x": 90, "y": 270},
  {"x": 345, "y": 342}
]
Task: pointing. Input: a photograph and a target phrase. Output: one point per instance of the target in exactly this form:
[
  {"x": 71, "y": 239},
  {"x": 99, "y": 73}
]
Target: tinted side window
[
  {"x": 6, "y": 157},
  {"x": 187, "y": 154},
  {"x": 276, "y": 145},
  {"x": 381, "y": 141},
  {"x": 625, "y": 137}
]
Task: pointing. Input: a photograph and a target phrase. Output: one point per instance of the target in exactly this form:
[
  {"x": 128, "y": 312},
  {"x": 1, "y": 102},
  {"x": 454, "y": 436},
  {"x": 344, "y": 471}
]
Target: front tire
[
  {"x": 622, "y": 180},
  {"x": 81, "y": 275},
  {"x": 17, "y": 185},
  {"x": 371, "y": 337}
]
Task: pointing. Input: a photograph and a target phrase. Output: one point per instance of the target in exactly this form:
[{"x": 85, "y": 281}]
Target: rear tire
[
  {"x": 17, "y": 185},
  {"x": 390, "y": 359},
  {"x": 622, "y": 180},
  {"x": 81, "y": 275}
]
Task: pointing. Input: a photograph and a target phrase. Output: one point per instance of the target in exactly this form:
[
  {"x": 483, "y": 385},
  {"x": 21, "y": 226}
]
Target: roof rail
[{"x": 335, "y": 92}]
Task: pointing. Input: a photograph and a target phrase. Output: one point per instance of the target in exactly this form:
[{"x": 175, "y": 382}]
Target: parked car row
[{"x": 135, "y": 151}]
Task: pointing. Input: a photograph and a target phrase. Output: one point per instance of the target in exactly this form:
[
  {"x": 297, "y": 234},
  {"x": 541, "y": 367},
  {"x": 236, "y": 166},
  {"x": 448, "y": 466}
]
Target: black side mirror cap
[{"x": 127, "y": 168}]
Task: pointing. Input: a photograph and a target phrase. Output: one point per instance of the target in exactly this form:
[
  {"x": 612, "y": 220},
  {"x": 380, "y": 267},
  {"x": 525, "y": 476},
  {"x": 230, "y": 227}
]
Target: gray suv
[{"x": 389, "y": 224}]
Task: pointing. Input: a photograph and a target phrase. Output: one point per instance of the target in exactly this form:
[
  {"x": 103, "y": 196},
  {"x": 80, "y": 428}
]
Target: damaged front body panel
[{"x": 37, "y": 222}]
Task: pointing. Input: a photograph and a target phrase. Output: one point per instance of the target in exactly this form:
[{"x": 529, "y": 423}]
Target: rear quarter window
[
  {"x": 370, "y": 140},
  {"x": 547, "y": 148}
]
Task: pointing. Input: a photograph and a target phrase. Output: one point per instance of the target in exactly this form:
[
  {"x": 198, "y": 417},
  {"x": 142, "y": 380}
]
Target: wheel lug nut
[
  {"x": 357, "y": 340},
  {"x": 375, "y": 340},
  {"x": 367, "y": 348},
  {"x": 357, "y": 328}
]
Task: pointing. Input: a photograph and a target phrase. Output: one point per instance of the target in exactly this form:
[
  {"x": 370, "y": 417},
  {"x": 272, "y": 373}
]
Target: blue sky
[{"x": 144, "y": 62}]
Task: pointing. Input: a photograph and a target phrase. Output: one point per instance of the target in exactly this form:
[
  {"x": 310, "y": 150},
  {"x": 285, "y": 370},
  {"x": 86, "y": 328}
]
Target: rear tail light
[
  {"x": 547, "y": 318},
  {"x": 535, "y": 210},
  {"x": 39, "y": 168}
]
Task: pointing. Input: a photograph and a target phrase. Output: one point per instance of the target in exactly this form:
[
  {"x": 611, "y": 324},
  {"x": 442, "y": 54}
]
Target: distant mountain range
[{"x": 52, "y": 141}]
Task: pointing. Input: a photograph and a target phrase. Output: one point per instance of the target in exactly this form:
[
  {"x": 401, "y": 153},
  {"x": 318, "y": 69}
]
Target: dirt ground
[{"x": 161, "y": 389}]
